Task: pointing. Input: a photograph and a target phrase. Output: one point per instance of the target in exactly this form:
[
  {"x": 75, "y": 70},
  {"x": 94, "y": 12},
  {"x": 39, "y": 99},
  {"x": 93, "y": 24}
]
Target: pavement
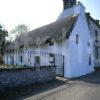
[{"x": 83, "y": 88}]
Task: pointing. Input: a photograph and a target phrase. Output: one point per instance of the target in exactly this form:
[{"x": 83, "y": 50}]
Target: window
[
  {"x": 96, "y": 52},
  {"x": 51, "y": 43},
  {"x": 37, "y": 60},
  {"x": 88, "y": 44},
  {"x": 21, "y": 59},
  {"x": 90, "y": 59},
  {"x": 77, "y": 39},
  {"x": 96, "y": 36},
  {"x": 52, "y": 58},
  {"x": 12, "y": 60}
]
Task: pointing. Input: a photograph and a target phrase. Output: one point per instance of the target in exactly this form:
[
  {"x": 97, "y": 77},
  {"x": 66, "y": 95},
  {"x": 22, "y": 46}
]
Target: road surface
[{"x": 83, "y": 88}]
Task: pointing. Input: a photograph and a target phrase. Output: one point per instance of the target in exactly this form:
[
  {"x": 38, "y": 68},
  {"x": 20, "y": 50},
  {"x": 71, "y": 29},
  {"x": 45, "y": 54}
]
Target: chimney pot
[
  {"x": 88, "y": 14},
  {"x": 69, "y": 3}
]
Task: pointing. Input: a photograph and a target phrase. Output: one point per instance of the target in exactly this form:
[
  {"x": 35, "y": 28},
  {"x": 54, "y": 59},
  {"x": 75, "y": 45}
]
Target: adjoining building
[{"x": 68, "y": 43}]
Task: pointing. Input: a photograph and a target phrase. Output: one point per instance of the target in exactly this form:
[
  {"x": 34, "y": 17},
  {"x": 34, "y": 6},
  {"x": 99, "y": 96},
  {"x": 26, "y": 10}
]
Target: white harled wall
[
  {"x": 77, "y": 57},
  {"x": 93, "y": 27},
  {"x": 79, "y": 53}
]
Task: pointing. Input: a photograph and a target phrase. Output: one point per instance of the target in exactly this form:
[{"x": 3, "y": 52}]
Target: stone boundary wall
[{"x": 10, "y": 79}]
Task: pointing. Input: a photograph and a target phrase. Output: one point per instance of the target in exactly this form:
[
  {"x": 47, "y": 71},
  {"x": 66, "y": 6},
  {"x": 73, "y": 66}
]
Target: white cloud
[{"x": 35, "y": 13}]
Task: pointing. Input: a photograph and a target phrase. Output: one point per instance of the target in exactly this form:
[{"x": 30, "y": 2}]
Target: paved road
[{"x": 84, "y": 88}]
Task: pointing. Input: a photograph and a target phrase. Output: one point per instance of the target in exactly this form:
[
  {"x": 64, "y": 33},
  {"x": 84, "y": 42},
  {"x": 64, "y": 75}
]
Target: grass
[{"x": 4, "y": 66}]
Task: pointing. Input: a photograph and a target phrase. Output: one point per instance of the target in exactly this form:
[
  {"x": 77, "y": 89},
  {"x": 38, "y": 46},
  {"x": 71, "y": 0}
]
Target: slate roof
[
  {"x": 56, "y": 31},
  {"x": 88, "y": 16}
]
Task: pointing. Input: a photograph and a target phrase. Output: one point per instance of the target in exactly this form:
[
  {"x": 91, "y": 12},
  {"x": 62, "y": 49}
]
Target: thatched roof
[{"x": 56, "y": 31}]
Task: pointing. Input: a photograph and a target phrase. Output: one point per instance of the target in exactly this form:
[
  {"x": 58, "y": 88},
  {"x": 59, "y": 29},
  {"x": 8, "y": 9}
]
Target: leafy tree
[
  {"x": 20, "y": 29},
  {"x": 3, "y": 35}
]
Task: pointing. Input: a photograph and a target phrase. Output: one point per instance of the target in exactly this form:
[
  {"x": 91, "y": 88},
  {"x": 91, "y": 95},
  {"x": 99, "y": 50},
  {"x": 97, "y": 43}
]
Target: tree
[
  {"x": 3, "y": 35},
  {"x": 20, "y": 29}
]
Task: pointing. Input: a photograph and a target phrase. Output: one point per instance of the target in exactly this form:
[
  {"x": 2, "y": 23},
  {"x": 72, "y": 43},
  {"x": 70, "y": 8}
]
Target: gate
[{"x": 59, "y": 63}]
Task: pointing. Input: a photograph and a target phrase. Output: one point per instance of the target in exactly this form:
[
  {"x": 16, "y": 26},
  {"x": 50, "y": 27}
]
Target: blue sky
[
  {"x": 92, "y": 6},
  {"x": 37, "y": 13}
]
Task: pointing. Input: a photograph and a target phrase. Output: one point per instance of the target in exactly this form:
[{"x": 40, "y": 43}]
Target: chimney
[
  {"x": 88, "y": 14},
  {"x": 97, "y": 21},
  {"x": 69, "y": 3}
]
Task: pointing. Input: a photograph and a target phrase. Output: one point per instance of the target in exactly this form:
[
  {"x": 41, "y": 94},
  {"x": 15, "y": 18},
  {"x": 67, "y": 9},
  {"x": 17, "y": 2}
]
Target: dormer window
[{"x": 51, "y": 43}]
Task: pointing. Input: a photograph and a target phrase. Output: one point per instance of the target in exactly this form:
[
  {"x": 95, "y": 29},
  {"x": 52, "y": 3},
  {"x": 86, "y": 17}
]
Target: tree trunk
[{"x": 1, "y": 59}]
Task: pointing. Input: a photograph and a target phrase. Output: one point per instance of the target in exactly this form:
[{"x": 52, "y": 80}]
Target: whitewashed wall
[
  {"x": 79, "y": 53},
  {"x": 94, "y": 27}
]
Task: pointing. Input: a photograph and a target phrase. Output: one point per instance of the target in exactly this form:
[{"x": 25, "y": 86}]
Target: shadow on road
[
  {"x": 93, "y": 78},
  {"x": 31, "y": 90}
]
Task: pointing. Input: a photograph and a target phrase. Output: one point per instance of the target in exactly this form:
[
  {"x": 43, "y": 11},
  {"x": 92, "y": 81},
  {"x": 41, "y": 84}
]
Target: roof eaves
[{"x": 92, "y": 19}]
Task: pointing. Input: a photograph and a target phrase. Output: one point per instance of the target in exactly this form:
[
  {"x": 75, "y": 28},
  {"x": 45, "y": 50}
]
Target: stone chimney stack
[{"x": 69, "y": 3}]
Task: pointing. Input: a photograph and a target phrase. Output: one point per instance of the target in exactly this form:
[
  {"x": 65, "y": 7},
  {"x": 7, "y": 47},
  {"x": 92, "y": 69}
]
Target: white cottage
[{"x": 66, "y": 43}]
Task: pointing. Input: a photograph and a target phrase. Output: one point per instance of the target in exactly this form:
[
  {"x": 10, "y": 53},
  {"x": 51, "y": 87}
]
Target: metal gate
[{"x": 59, "y": 63}]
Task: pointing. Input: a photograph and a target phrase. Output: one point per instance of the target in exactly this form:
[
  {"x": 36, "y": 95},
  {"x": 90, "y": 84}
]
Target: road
[{"x": 83, "y": 88}]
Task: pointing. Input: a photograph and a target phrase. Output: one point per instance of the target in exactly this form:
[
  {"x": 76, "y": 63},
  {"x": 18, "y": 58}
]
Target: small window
[
  {"x": 12, "y": 60},
  {"x": 90, "y": 59},
  {"x": 96, "y": 52},
  {"x": 37, "y": 60},
  {"x": 52, "y": 58},
  {"x": 77, "y": 39},
  {"x": 96, "y": 36},
  {"x": 88, "y": 44},
  {"x": 21, "y": 59},
  {"x": 51, "y": 43}
]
